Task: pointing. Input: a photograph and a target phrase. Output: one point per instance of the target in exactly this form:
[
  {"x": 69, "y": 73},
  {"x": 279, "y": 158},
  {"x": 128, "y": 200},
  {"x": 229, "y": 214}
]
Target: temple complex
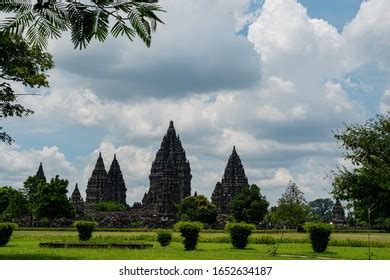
[
  {"x": 233, "y": 180},
  {"x": 170, "y": 176}
]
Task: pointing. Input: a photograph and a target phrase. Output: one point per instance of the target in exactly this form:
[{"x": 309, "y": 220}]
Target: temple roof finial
[
  {"x": 40, "y": 174},
  {"x": 171, "y": 124}
]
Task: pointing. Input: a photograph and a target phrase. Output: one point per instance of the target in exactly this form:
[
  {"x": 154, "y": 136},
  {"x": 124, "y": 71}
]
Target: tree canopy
[
  {"x": 321, "y": 209},
  {"x": 292, "y": 210},
  {"x": 19, "y": 62},
  {"x": 197, "y": 209},
  {"x": 366, "y": 186},
  {"x": 86, "y": 20},
  {"x": 249, "y": 205}
]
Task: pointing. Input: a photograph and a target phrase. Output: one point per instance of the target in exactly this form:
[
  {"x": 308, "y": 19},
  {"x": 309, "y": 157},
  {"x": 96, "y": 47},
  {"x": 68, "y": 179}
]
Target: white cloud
[{"x": 384, "y": 106}]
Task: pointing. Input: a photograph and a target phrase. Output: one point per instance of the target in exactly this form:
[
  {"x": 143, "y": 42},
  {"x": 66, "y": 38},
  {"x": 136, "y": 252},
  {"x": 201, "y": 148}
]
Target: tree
[
  {"x": 5, "y": 194},
  {"x": 17, "y": 207},
  {"x": 321, "y": 209},
  {"x": 292, "y": 210},
  {"x": 19, "y": 62},
  {"x": 197, "y": 209},
  {"x": 366, "y": 186},
  {"x": 249, "y": 205},
  {"x": 86, "y": 21},
  {"x": 51, "y": 202}
]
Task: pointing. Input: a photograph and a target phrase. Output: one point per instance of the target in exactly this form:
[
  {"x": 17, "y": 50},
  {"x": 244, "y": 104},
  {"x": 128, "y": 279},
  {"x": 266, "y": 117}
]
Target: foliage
[
  {"x": 5, "y": 194},
  {"x": 197, "y": 209},
  {"x": 292, "y": 210},
  {"x": 85, "y": 20},
  {"x": 19, "y": 62},
  {"x": 164, "y": 238},
  {"x": 190, "y": 232},
  {"x": 249, "y": 205},
  {"x": 321, "y": 209},
  {"x": 6, "y": 230},
  {"x": 107, "y": 206},
  {"x": 48, "y": 200},
  {"x": 239, "y": 233},
  {"x": 366, "y": 186},
  {"x": 17, "y": 207},
  {"x": 319, "y": 235},
  {"x": 85, "y": 229}
]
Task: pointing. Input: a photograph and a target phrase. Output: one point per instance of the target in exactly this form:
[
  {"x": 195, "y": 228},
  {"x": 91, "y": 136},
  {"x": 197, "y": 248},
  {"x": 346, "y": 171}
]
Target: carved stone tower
[
  {"x": 116, "y": 183},
  {"x": 170, "y": 176},
  {"x": 233, "y": 180},
  {"x": 338, "y": 214},
  {"x": 97, "y": 183},
  {"x": 40, "y": 174},
  {"x": 77, "y": 201}
]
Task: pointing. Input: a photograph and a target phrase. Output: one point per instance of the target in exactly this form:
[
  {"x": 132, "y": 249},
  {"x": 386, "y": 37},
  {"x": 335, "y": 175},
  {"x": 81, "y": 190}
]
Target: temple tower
[
  {"x": 233, "y": 180},
  {"x": 170, "y": 176},
  {"x": 40, "y": 174},
  {"x": 97, "y": 183},
  {"x": 338, "y": 214},
  {"x": 77, "y": 201},
  {"x": 116, "y": 183}
]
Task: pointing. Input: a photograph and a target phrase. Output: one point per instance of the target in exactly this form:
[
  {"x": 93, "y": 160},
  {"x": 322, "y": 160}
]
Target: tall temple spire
[
  {"x": 170, "y": 176},
  {"x": 117, "y": 188},
  {"x": 40, "y": 174},
  {"x": 233, "y": 180},
  {"x": 97, "y": 183}
]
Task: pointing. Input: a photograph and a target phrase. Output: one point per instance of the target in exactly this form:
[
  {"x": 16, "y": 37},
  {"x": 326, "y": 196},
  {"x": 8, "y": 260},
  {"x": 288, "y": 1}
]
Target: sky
[{"x": 272, "y": 77}]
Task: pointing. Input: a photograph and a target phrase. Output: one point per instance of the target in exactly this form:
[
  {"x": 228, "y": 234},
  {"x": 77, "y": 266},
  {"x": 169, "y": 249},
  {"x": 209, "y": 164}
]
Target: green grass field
[{"x": 24, "y": 245}]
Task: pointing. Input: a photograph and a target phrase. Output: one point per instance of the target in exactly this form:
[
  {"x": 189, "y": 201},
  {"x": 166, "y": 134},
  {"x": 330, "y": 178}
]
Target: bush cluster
[
  {"x": 190, "y": 232},
  {"x": 85, "y": 229},
  {"x": 319, "y": 235},
  {"x": 239, "y": 233},
  {"x": 6, "y": 230},
  {"x": 164, "y": 238}
]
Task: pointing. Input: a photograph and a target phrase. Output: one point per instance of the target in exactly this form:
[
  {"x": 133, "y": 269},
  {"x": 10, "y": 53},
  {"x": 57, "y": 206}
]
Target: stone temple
[
  {"x": 170, "y": 176},
  {"x": 103, "y": 186},
  {"x": 338, "y": 214},
  {"x": 233, "y": 180}
]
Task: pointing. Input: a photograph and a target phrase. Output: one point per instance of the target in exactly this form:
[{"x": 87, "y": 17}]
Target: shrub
[
  {"x": 85, "y": 229},
  {"x": 164, "y": 238},
  {"x": 190, "y": 232},
  {"x": 319, "y": 235},
  {"x": 239, "y": 233},
  {"x": 6, "y": 230},
  {"x": 110, "y": 206}
]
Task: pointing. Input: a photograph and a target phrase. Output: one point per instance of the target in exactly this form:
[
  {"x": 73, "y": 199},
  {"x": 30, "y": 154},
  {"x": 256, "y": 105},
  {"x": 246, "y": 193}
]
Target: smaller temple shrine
[{"x": 338, "y": 214}]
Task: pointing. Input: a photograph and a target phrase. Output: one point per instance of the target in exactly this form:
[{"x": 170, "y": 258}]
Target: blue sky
[{"x": 272, "y": 77}]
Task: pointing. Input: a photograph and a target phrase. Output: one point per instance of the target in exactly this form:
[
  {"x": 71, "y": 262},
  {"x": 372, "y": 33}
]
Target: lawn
[{"x": 24, "y": 245}]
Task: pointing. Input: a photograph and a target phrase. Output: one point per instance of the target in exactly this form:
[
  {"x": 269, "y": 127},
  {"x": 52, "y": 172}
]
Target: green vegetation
[
  {"x": 291, "y": 211},
  {"x": 6, "y": 230},
  {"x": 239, "y": 233},
  {"x": 197, "y": 209},
  {"x": 85, "y": 229},
  {"x": 25, "y": 245},
  {"x": 321, "y": 209},
  {"x": 85, "y": 20},
  {"x": 190, "y": 232},
  {"x": 164, "y": 238},
  {"x": 367, "y": 186},
  {"x": 249, "y": 205},
  {"x": 19, "y": 62},
  {"x": 319, "y": 235},
  {"x": 107, "y": 206}
]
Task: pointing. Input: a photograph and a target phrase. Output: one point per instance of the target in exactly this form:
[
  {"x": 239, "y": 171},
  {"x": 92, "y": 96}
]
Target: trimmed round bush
[
  {"x": 190, "y": 232},
  {"x": 239, "y": 233},
  {"x": 85, "y": 229},
  {"x": 319, "y": 235},
  {"x": 164, "y": 238},
  {"x": 6, "y": 230}
]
